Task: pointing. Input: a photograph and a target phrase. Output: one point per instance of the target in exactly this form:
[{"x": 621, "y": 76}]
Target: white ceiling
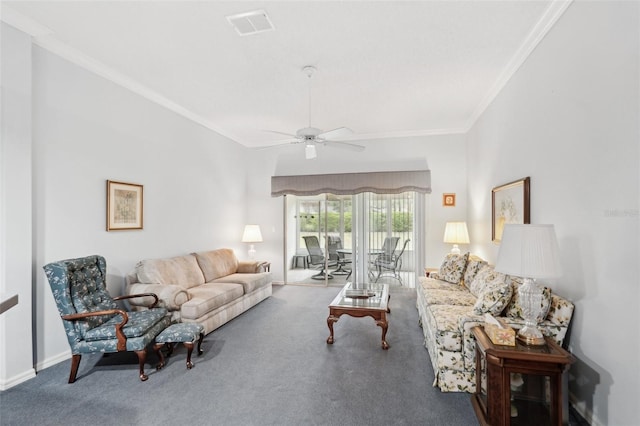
[{"x": 385, "y": 69}]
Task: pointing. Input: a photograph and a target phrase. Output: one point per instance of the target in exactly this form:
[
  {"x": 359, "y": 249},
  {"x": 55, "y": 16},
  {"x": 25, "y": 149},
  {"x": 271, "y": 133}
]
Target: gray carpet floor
[{"x": 269, "y": 366}]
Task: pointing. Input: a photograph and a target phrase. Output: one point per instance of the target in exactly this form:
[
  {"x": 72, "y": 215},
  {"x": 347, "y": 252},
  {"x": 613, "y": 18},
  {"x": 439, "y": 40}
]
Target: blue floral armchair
[{"x": 93, "y": 320}]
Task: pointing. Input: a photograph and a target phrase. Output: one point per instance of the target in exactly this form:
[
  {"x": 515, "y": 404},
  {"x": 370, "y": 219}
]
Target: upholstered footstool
[{"x": 186, "y": 333}]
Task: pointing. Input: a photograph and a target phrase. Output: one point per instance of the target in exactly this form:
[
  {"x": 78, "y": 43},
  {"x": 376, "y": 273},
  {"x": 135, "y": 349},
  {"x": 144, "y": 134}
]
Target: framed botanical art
[
  {"x": 509, "y": 204},
  {"x": 449, "y": 200},
  {"x": 124, "y": 206}
]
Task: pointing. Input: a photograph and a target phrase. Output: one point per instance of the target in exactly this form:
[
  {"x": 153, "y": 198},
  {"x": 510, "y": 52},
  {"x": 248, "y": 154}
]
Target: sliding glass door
[{"x": 367, "y": 237}]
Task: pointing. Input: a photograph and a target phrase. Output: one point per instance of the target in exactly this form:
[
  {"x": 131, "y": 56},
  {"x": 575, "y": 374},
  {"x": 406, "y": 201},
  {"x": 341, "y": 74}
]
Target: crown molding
[
  {"x": 45, "y": 38},
  {"x": 23, "y": 23},
  {"x": 539, "y": 31},
  {"x": 404, "y": 134},
  {"x": 63, "y": 50}
]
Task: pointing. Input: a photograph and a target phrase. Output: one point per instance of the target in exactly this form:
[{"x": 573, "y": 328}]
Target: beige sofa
[
  {"x": 454, "y": 300},
  {"x": 209, "y": 288}
]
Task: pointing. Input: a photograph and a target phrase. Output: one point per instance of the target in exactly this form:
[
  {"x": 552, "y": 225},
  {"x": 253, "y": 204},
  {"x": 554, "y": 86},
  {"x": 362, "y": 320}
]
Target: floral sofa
[
  {"x": 209, "y": 288},
  {"x": 453, "y": 300}
]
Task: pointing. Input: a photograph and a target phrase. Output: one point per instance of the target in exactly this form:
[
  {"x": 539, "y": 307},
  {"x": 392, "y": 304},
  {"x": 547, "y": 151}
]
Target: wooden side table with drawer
[{"x": 518, "y": 385}]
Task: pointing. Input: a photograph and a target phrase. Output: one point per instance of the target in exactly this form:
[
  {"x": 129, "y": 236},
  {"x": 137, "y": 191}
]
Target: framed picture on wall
[
  {"x": 124, "y": 206},
  {"x": 509, "y": 204},
  {"x": 449, "y": 200}
]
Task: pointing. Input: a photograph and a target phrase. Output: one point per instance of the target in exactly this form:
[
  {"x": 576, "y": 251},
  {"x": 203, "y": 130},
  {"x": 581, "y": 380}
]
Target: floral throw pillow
[
  {"x": 514, "y": 310},
  {"x": 486, "y": 274},
  {"x": 494, "y": 297},
  {"x": 473, "y": 266},
  {"x": 453, "y": 267}
]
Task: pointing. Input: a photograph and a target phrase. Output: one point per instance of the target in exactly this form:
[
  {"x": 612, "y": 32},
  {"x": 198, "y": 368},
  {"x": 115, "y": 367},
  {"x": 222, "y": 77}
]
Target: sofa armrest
[
  {"x": 250, "y": 267},
  {"x": 171, "y": 296}
]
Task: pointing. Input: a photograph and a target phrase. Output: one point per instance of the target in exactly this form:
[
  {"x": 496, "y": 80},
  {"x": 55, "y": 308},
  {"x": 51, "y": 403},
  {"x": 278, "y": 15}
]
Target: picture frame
[
  {"x": 124, "y": 206},
  {"x": 449, "y": 200},
  {"x": 510, "y": 203}
]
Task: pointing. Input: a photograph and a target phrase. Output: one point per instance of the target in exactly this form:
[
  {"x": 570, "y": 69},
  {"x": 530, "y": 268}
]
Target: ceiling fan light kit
[
  {"x": 310, "y": 151},
  {"x": 311, "y": 136}
]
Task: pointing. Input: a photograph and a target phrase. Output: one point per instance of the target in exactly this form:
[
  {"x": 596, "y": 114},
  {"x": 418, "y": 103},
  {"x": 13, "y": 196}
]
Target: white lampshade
[
  {"x": 252, "y": 234},
  {"x": 456, "y": 233},
  {"x": 529, "y": 251}
]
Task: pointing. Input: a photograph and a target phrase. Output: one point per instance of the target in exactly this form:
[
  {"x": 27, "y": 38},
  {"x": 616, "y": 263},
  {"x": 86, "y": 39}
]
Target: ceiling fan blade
[
  {"x": 345, "y": 145},
  {"x": 340, "y": 132}
]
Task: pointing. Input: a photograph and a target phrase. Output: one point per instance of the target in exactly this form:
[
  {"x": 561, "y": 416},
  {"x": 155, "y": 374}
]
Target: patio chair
[
  {"x": 392, "y": 264},
  {"x": 337, "y": 256},
  {"x": 316, "y": 258},
  {"x": 383, "y": 256},
  {"x": 93, "y": 321}
]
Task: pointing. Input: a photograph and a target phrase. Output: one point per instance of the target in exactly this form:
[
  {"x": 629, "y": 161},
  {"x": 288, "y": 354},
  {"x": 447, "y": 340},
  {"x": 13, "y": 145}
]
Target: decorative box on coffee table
[{"x": 518, "y": 385}]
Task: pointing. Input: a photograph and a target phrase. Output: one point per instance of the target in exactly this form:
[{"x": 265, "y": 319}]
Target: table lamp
[
  {"x": 252, "y": 235},
  {"x": 530, "y": 252},
  {"x": 456, "y": 233}
]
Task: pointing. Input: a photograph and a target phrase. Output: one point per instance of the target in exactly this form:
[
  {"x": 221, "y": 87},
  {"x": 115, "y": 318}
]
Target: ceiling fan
[{"x": 311, "y": 136}]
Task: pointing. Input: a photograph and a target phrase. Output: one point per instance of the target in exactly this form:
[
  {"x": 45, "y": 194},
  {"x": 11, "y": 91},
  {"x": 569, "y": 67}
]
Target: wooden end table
[{"x": 518, "y": 384}]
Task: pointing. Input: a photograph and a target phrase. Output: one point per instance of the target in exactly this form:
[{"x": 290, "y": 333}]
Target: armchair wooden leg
[
  {"x": 142, "y": 357},
  {"x": 157, "y": 348},
  {"x": 75, "y": 363},
  {"x": 200, "y": 351},
  {"x": 189, "y": 346}
]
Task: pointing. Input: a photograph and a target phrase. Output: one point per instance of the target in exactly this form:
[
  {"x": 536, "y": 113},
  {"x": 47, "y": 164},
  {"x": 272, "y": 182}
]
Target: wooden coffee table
[{"x": 362, "y": 300}]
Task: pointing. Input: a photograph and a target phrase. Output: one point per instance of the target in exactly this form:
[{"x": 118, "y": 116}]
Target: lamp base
[
  {"x": 252, "y": 252},
  {"x": 530, "y": 336},
  {"x": 455, "y": 249}
]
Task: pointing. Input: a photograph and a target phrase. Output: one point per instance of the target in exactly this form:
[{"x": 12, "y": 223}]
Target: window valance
[{"x": 353, "y": 183}]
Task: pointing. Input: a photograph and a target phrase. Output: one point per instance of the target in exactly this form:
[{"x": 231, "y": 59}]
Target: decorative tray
[{"x": 358, "y": 294}]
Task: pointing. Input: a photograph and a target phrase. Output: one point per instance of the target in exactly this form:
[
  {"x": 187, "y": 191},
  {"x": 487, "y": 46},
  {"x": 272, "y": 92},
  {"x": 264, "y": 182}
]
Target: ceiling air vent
[{"x": 251, "y": 22}]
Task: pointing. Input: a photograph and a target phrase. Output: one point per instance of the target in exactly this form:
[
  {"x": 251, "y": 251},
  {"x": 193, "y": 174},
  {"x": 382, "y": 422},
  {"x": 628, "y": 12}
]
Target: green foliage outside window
[{"x": 402, "y": 222}]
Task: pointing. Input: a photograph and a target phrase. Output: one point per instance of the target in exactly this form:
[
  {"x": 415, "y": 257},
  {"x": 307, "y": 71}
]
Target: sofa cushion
[
  {"x": 169, "y": 296},
  {"x": 208, "y": 297},
  {"x": 514, "y": 308},
  {"x": 138, "y": 324},
  {"x": 474, "y": 264},
  {"x": 182, "y": 270},
  {"x": 250, "y": 282},
  {"x": 448, "y": 297},
  {"x": 217, "y": 263},
  {"x": 427, "y": 282},
  {"x": 452, "y": 269},
  {"x": 494, "y": 298}
]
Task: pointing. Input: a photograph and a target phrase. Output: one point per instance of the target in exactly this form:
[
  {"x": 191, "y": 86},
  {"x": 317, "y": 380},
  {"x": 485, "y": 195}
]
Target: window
[{"x": 329, "y": 216}]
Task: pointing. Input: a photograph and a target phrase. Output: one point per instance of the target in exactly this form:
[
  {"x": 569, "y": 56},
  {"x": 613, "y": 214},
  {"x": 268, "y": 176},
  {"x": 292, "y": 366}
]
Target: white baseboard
[
  {"x": 53, "y": 360},
  {"x": 16, "y": 380},
  {"x": 584, "y": 411}
]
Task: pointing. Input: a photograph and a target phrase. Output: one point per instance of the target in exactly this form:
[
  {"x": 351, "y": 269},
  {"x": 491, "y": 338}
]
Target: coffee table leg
[
  {"x": 330, "y": 320},
  {"x": 382, "y": 323}
]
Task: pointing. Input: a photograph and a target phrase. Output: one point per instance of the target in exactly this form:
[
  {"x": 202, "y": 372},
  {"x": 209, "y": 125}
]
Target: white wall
[
  {"x": 444, "y": 155},
  {"x": 15, "y": 208},
  {"x": 199, "y": 188},
  {"x": 87, "y": 130},
  {"x": 569, "y": 119}
]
